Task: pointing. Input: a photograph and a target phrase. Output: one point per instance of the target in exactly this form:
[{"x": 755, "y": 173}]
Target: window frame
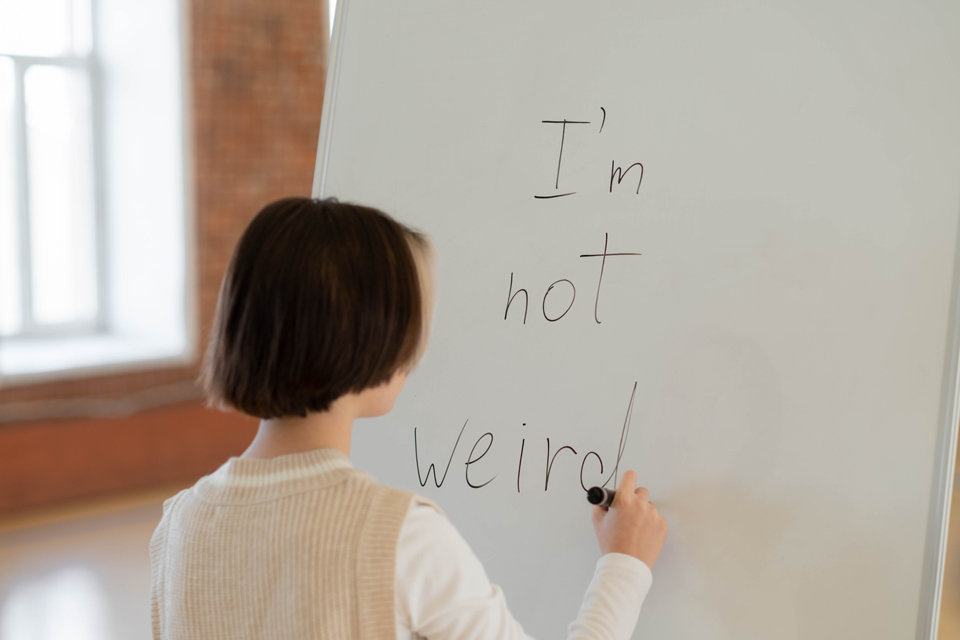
[{"x": 29, "y": 328}]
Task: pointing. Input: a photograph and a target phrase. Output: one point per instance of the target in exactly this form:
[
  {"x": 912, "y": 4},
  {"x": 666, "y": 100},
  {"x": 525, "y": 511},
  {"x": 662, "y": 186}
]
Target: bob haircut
[{"x": 320, "y": 299}]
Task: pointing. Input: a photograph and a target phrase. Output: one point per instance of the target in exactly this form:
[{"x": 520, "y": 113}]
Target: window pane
[
  {"x": 44, "y": 27},
  {"x": 9, "y": 230},
  {"x": 62, "y": 232}
]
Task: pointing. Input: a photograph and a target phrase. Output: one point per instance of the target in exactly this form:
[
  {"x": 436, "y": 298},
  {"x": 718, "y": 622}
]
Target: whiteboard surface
[{"x": 788, "y": 327}]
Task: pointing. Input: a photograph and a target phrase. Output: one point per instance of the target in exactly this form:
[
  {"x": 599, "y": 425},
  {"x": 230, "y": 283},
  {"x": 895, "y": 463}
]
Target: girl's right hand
[{"x": 632, "y": 524}]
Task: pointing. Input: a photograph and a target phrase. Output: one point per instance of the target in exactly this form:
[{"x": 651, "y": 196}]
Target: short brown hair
[{"x": 320, "y": 299}]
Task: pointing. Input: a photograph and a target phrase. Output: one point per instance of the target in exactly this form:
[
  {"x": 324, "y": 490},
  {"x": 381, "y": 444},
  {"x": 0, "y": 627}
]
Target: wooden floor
[
  {"x": 83, "y": 572},
  {"x": 80, "y": 572},
  {"x": 950, "y": 604}
]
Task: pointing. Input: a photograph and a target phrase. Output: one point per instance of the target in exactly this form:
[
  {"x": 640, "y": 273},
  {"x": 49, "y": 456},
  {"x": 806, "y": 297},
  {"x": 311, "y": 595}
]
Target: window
[
  {"x": 94, "y": 240},
  {"x": 47, "y": 177}
]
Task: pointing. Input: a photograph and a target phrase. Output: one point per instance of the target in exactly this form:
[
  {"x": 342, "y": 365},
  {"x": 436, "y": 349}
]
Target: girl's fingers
[
  {"x": 597, "y": 515},
  {"x": 628, "y": 485}
]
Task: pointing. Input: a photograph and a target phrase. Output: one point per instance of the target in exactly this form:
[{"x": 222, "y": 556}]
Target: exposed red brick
[{"x": 51, "y": 461}]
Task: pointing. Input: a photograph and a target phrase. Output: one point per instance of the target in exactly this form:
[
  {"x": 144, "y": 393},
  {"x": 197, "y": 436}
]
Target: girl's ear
[{"x": 425, "y": 258}]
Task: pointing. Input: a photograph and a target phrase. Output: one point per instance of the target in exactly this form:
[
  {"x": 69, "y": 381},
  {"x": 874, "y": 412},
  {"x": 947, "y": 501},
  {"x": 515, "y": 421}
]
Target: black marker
[{"x": 600, "y": 496}]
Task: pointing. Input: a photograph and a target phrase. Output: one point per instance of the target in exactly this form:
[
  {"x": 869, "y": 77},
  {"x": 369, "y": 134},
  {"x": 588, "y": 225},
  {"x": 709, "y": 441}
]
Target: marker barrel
[{"x": 600, "y": 496}]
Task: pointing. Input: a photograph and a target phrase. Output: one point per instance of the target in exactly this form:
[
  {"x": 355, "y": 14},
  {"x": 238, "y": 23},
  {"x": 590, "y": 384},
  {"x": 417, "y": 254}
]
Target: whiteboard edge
[
  {"x": 936, "y": 545},
  {"x": 329, "y": 101}
]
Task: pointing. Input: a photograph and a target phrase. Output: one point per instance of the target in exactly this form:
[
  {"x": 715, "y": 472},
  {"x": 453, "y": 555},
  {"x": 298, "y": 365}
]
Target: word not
[
  {"x": 573, "y": 289},
  {"x": 551, "y": 456},
  {"x": 616, "y": 172}
]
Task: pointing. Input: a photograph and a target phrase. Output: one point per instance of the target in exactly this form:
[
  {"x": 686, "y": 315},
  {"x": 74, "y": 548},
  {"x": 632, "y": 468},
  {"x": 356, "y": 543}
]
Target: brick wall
[{"x": 258, "y": 72}]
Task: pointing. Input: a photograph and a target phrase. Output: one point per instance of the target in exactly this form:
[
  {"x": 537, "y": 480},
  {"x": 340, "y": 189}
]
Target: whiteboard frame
[
  {"x": 329, "y": 100},
  {"x": 944, "y": 472},
  {"x": 928, "y": 616}
]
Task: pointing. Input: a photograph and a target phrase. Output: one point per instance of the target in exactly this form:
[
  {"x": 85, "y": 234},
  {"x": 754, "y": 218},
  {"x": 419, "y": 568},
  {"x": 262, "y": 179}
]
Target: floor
[
  {"x": 83, "y": 572},
  {"x": 949, "y": 628}
]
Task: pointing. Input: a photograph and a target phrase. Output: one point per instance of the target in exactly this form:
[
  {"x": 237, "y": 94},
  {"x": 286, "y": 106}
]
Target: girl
[{"x": 324, "y": 310}]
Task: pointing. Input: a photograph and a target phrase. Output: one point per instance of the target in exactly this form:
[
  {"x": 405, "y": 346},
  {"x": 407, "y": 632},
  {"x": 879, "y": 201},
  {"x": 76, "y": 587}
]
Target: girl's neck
[
  {"x": 329, "y": 429},
  {"x": 292, "y": 434}
]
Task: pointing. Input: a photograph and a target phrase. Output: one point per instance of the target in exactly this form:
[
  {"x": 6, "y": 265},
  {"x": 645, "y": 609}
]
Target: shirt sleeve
[{"x": 443, "y": 592}]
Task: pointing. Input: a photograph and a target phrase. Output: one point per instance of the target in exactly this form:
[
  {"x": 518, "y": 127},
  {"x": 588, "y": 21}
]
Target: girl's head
[{"x": 320, "y": 299}]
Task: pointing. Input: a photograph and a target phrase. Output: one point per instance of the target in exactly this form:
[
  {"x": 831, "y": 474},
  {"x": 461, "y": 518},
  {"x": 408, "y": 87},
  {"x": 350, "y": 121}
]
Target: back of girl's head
[{"x": 320, "y": 299}]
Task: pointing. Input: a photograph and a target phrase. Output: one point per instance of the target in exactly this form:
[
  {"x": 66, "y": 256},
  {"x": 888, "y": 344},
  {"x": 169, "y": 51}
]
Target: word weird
[{"x": 486, "y": 442}]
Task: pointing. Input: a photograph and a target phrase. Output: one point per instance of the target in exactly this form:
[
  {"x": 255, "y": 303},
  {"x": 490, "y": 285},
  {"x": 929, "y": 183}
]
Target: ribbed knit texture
[{"x": 298, "y": 546}]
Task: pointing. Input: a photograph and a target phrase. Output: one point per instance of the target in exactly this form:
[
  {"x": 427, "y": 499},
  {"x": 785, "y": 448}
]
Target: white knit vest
[{"x": 298, "y": 546}]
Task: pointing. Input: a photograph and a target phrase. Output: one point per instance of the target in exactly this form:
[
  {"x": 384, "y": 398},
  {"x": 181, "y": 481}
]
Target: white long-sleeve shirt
[{"x": 444, "y": 593}]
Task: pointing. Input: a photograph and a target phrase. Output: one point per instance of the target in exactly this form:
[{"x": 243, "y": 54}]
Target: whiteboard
[{"x": 778, "y": 364}]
